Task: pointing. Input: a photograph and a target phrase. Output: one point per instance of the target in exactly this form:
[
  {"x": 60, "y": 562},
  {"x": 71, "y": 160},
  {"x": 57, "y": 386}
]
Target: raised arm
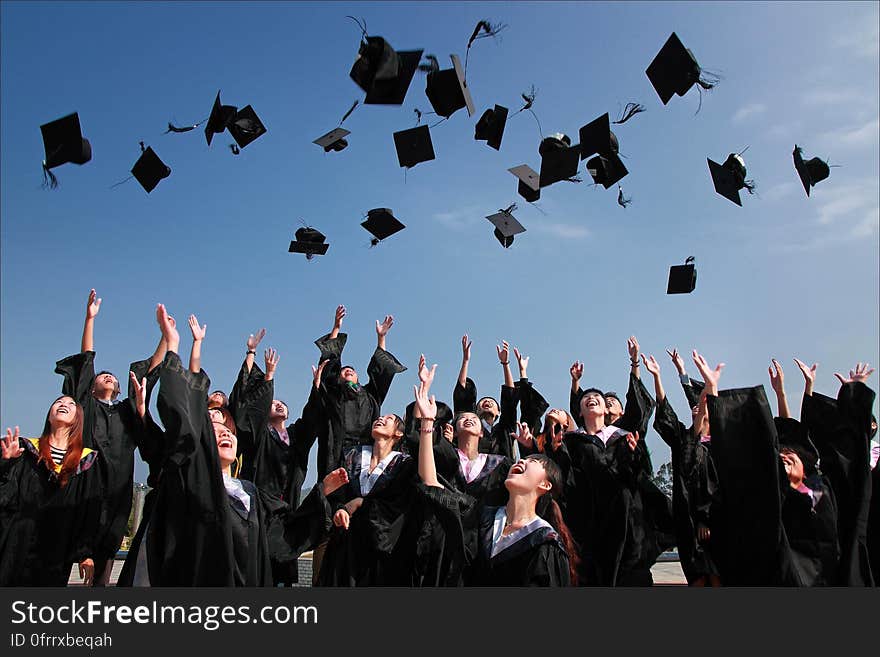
[
  {"x": 504, "y": 358},
  {"x": 271, "y": 358},
  {"x": 654, "y": 368},
  {"x": 711, "y": 377},
  {"x": 382, "y": 331},
  {"x": 337, "y": 322},
  {"x": 253, "y": 342},
  {"x": 465, "y": 358},
  {"x": 427, "y": 409},
  {"x": 383, "y": 365},
  {"x": 632, "y": 346},
  {"x": 809, "y": 376},
  {"x": 777, "y": 380},
  {"x": 88, "y": 337},
  {"x": 198, "y": 333}
]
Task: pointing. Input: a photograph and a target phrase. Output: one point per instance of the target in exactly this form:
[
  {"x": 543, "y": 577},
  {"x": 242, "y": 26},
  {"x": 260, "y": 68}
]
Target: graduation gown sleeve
[
  {"x": 381, "y": 370},
  {"x": 532, "y": 405},
  {"x": 464, "y": 398}
]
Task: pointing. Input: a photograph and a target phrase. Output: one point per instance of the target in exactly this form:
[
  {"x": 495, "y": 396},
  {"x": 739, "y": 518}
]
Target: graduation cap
[
  {"x": 675, "y": 70},
  {"x": 221, "y": 118},
  {"x": 529, "y": 182},
  {"x": 506, "y": 226},
  {"x": 333, "y": 140},
  {"x": 63, "y": 142},
  {"x": 246, "y": 126},
  {"x": 730, "y": 177},
  {"x": 309, "y": 241},
  {"x": 682, "y": 278},
  {"x": 447, "y": 90},
  {"x": 812, "y": 171},
  {"x": 381, "y": 223},
  {"x": 596, "y": 137},
  {"x": 559, "y": 159},
  {"x": 606, "y": 170},
  {"x": 383, "y": 73},
  {"x": 414, "y": 146},
  {"x": 490, "y": 127},
  {"x": 149, "y": 170}
]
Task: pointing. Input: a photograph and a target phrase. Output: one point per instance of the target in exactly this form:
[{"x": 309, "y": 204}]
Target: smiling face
[
  {"x": 615, "y": 409},
  {"x": 793, "y": 465},
  {"x": 106, "y": 386},
  {"x": 348, "y": 375},
  {"x": 593, "y": 405},
  {"x": 63, "y": 412},
  {"x": 217, "y": 399},
  {"x": 278, "y": 411},
  {"x": 528, "y": 476},
  {"x": 488, "y": 407},
  {"x": 468, "y": 424},
  {"x": 387, "y": 427},
  {"x": 227, "y": 444}
]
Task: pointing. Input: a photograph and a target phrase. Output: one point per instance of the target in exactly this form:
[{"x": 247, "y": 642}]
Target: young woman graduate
[
  {"x": 113, "y": 428},
  {"x": 516, "y": 546},
  {"x": 694, "y": 483},
  {"x": 50, "y": 501},
  {"x": 208, "y": 528},
  {"x": 840, "y": 429}
]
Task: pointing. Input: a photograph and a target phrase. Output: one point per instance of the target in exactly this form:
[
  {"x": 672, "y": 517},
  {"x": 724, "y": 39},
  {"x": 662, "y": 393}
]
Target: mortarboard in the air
[
  {"x": 812, "y": 171},
  {"x": 309, "y": 241},
  {"x": 63, "y": 142},
  {"x": 413, "y": 146},
  {"x": 383, "y": 73},
  {"x": 606, "y": 170},
  {"x": 675, "y": 70},
  {"x": 490, "y": 127},
  {"x": 246, "y": 126},
  {"x": 447, "y": 90},
  {"x": 730, "y": 177},
  {"x": 381, "y": 223},
  {"x": 559, "y": 159},
  {"x": 220, "y": 119},
  {"x": 149, "y": 170},
  {"x": 506, "y": 226},
  {"x": 682, "y": 278},
  {"x": 529, "y": 182},
  {"x": 333, "y": 140},
  {"x": 597, "y": 138}
]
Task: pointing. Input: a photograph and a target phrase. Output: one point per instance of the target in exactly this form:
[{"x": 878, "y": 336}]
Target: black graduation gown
[
  {"x": 637, "y": 407},
  {"x": 496, "y": 438},
  {"x": 538, "y": 559},
  {"x": 377, "y": 548},
  {"x": 44, "y": 528},
  {"x": 349, "y": 411},
  {"x": 694, "y": 490},
  {"x": 114, "y": 430},
  {"x": 810, "y": 533},
  {"x": 195, "y": 537},
  {"x": 840, "y": 430},
  {"x": 612, "y": 509},
  {"x": 873, "y": 535}
]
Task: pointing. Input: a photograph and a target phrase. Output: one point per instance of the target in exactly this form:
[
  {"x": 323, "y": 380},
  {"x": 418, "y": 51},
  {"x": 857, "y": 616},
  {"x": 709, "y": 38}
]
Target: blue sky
[{"x": 783, "y": 276}]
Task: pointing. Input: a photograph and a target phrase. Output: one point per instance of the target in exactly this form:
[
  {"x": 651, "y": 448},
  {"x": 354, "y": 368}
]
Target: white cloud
[
  {"x": 752, "y": 109},
  {"x": 565, "y": 231},
  {"x": 459, "y": 219},
  {"x": 864, "y": 40}
]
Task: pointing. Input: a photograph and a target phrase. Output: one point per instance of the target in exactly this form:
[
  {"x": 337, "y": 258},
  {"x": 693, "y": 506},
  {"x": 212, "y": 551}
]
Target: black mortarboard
[
  {"x": 597, "y": 138},
  {"x": 246, "y": 126},
  {"x": 149, "y": 170},
  {"x": 490, "y": 127},
  {"x": 529, "y": 182},
  {"x": 309, "y": 241},
  {"x": 381, "y": 223},
  {"x": 63, "y": 142},
  {"x": 559, "y": 160},
  {"x": 682, "y": 278},
  {"x": 220, "y": 119},
  {"x": 730, "y": 177},
  {"x": 674, "y": 70},
  {"x": 506, "y": 226},
  {"x": 333, "y": 140},
  {"x": 812, "y": 171},
  {"x": 447, "y": 90},
  {"x": 383, "y": 73},
  {"x": 606, "y": 170},
  {"x": 413, "y": 146}
]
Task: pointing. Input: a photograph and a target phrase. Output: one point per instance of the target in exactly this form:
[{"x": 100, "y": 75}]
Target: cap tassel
[
  {"x": 350, "y": 110},
  {"x": 622, "y": 201},
  {"x": 361, "y": 24},
  {"x": 529, "y": 99},
  {"x": 122, "y": 182},
  {"x": 629, "y": 111},
  {"x": 705, "y": 81},
  {"x": 49, "y": 179},
  {"x": 235, "y": 149},
  {"x": 174, "y": 128},
  {"x": 483, "y": 30}
]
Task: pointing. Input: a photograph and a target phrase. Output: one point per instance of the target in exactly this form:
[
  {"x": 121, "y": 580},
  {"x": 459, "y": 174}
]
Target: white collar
[
  {"x": 501, "y": 542},
  {"x": 368, "y": 479}
]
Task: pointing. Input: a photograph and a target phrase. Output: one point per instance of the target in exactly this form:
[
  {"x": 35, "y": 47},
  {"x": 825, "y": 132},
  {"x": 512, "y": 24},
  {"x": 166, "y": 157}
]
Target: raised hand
[
  {"x": 808, "y": 372},
  {"x": 87, "y": 571},
  {"x": 335, "y": 480},
  {"x": 632, "y": 346},
  {"x": 651, "y": 365},
  {"x": 140, "y": 393},
  {"x": 503, "y": 352},
  {"x": 777, "y": 378},
  {"x": 427, "y": 406},
  {"x": 340, "y": 315},
  {"x": 316, "y": 373},
  {"x": 710, "y": 376},
  {"x": 576, "y": 370},
  {"x": 522, "y": 361},
  {"x": 860, "y": 373},
  {"x": 465, "y": 348},
  {"x": 93, "y": 305},
  {"x": 198, "y": 332},
  {"x": 448, "y": 431},
  {"x": 523, "y": 434},
  {"x": 271, "y": 358},
  {"x": 677, "y": 360},
  {"x": 426, "y": 376},
  {"x": 383, "y": 328},
  {"x": 168, "y": 327},
  {"x": 9, "y": 446},
  {"x": 253, "y": 341}
]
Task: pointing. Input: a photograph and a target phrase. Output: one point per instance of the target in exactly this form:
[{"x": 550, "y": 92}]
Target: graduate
[
  {"x": 516, "y": 546},
  {"x": 208, "y": 528},
  {"x": 694, "y": 483},
  {"x": 50, "y": 501},
  {"x": 113, "y": 428}
]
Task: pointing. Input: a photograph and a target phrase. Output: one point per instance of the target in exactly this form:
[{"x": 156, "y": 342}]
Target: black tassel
[
  {"x": 174, "y": 128},
  {"x": 121, "y": 182},
  {"x": 418, "y": 115},
  {"x": 432, "y": 65},
  {"x": 143, "y": 148},
  {"x": 361, "y": 24},
  {"x": 350, "y": 110},
  {"x": 235, "y": 149},
  {"x": 49, "y": 179},
  {"x": 750, "y": 186},
  {"x": 574, "y": 179},
  {"x": 629, "y": 111},
  {"x": 621, "y": 200},
  {"x": 510, "y": 208},
  {"x": 483, "y": 30}
]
